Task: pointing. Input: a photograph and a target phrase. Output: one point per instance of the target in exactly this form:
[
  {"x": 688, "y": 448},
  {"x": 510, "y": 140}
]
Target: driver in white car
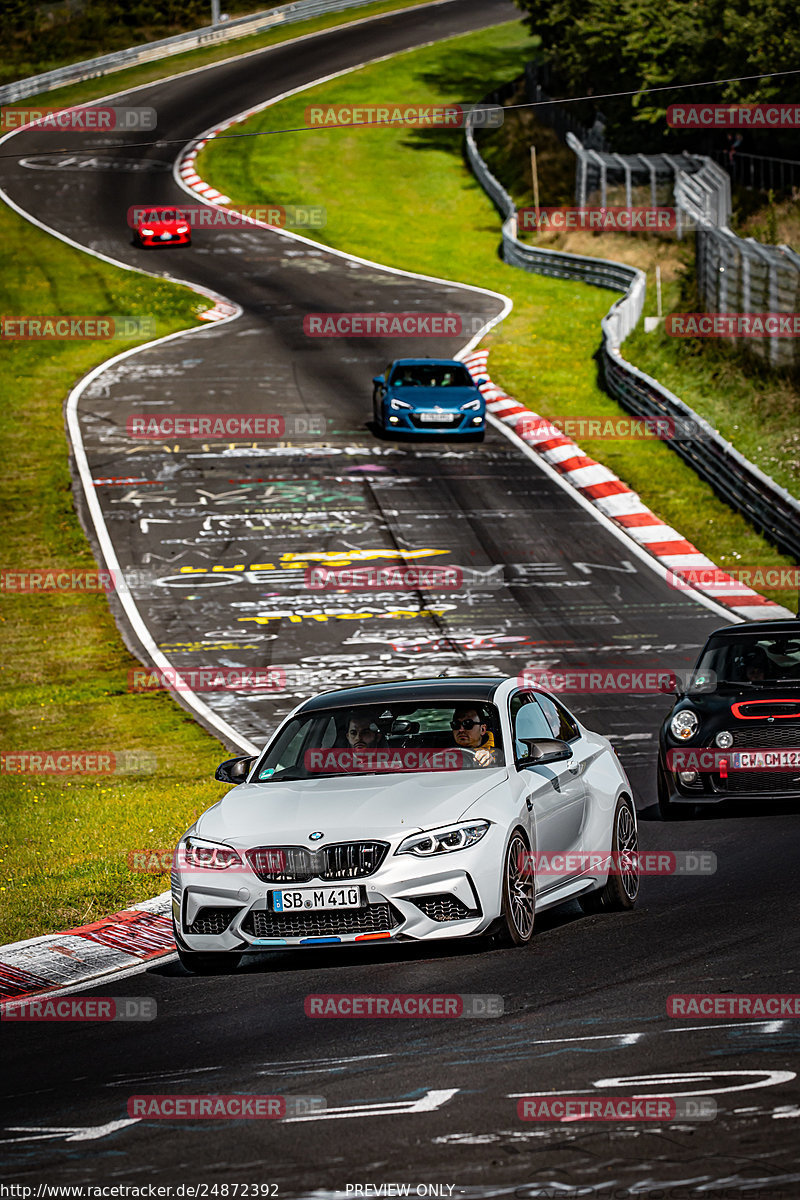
[{"x": 471, "y": 732}]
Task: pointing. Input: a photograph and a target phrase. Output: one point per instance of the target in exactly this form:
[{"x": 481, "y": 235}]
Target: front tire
[
  {"x": 622, "y": 887},
  {"x": 519, "y": 894}
]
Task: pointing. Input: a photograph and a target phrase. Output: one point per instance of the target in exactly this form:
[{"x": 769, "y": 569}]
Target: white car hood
[{"x": 344, "y": 809}]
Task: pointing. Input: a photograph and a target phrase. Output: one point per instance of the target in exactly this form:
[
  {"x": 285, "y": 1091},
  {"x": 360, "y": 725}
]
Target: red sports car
[{"x": 163, "y": 227}]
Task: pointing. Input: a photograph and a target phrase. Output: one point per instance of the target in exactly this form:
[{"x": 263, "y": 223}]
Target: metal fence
[
  {"x": 770, "y": 508},
  {"x": 734, "y": 275},
  {"x": 759, "y": 172},
  {"x": 739, "y": 275},
  {"x": 210, "y": 35}
]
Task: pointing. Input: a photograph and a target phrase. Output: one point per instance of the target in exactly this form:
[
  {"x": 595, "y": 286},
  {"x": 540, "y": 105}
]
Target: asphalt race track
[{"x": 425, "y": 1103}]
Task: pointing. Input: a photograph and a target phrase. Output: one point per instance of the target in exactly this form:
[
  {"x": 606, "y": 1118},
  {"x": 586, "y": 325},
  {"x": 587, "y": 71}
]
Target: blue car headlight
[
  {"x": 471, "y": 406},
  {"x": 395, "y": 403}
]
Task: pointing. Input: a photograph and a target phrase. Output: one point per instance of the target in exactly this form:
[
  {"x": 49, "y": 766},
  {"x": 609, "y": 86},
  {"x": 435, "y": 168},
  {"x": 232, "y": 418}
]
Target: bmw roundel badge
[{"x": 314, "y": 837}]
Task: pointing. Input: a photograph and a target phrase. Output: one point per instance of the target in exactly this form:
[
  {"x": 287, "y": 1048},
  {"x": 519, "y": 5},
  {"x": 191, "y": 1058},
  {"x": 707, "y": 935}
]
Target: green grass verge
[
  {"x": 65, "y": 840},
  {"x": 756, "y": 409},
  {"x": 120, "y": 81},
  {"x": 63, "y": 668},
  {"x": 406, "y": 198}
]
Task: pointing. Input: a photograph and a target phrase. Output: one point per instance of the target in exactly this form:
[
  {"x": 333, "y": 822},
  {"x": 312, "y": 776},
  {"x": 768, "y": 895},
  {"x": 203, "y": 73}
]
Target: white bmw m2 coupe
[{"x": 420, "y": 810}]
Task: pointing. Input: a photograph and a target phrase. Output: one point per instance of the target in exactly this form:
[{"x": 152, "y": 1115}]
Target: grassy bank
[
  {"x": 756, "y": 409},
  {"x": 63, "y": 668},
  {"x": 405, "y": 198},
  {"x": 65, "y": 840}
]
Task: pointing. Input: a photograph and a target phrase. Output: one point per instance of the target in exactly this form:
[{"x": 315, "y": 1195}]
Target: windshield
[
  {"x": 432, "y": 375},
  {"x": 757, "y": 660},
  {"x": 164, "y": 215},
  {"x": 402, "y": 737}
]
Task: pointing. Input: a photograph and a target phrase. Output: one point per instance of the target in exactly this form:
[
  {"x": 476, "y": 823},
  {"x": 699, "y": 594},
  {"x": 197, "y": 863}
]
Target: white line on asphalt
[
  {"x": 427, "y": 1103},
  {"x": 75, "y": 1133}
]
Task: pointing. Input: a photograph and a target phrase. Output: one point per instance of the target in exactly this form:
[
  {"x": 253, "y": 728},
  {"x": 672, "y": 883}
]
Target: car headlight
[
  {"x": 148, "y": 232},
  {"x": 684, "y": 724},
  {"x": 213, "y": 856},
  {"x": 443, "y": 841},
  {"x": 471, "y": 406},
  {"x": 183, "y": 229},
  {"x": 394, "y": 403},
  {"x": 724, "y": 739}
]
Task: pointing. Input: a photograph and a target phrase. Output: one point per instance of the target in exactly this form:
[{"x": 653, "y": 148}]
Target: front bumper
[
  {"x": 710, "y": 787},
  {"x": 174, "y": 239},
  {"x": 407, "y": 898},
  {"x": 410, "y": 422}
]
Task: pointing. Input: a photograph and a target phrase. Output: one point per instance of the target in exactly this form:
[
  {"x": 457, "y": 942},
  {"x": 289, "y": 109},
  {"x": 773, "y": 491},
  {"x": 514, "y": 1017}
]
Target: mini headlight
[
  {"x": 684, "y": 724},
  {"x": 471, "y": 405},
  {"x": 724, "y": 739},
  {"x": 213, "y": 856},
  {"x": 443, "y": 841},
  {"x": 395, "y": 403}
]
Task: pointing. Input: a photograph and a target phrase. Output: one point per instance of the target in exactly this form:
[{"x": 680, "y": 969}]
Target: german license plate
[
  {"x": 303, "y": 899},
  {"x": 429, "y": 418},
  {"x": 165, "y": 237},
  {"x": 765, "y": 759}
]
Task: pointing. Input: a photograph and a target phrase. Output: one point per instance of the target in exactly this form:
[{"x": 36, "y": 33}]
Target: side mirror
[
  {"x": 378, "y": 380},
  {"x": 235, "y": 770},
  {"x": 543, "y": 751},
  {"x": 480, "y": 382}
]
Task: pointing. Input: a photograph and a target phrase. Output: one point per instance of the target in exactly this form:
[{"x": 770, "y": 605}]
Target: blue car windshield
[{"x": 431, "y": 375}]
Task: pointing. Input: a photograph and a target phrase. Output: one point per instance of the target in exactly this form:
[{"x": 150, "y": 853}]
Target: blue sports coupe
[{"x": 428, "y": 396}]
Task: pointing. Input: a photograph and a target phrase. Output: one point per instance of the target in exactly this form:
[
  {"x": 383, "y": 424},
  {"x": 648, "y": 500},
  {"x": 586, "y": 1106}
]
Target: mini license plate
[
  {"x": 764, "y": 759},
  {"x": 303, "y": 899},
  {"x": 429, "y": 417}
]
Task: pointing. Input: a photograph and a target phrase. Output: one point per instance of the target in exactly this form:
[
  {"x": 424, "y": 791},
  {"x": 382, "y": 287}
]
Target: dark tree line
[
  {"x": 593, "y": 47},
  {"x": 39, "y": 36}
]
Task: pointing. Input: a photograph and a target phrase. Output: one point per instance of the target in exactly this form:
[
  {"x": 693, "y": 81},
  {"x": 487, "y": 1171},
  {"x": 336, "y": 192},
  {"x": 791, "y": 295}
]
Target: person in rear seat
[{"x": 363, "y": 731}]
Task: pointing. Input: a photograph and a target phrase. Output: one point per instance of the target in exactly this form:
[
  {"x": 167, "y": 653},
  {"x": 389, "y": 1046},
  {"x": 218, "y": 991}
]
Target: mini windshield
[
  {"x": 755, "y": 660},
  {"x": 401, "y": 737},
  {"x": 431, "y": 375}
]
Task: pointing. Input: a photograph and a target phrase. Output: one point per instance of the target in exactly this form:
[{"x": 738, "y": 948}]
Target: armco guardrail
[
  {"x": 210, "y": 35},
  {"x": 769, "y": 507}
]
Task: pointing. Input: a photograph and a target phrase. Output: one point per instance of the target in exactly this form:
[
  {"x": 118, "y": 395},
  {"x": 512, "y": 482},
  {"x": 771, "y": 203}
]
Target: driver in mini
[{"x": 471, "y": 732}]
